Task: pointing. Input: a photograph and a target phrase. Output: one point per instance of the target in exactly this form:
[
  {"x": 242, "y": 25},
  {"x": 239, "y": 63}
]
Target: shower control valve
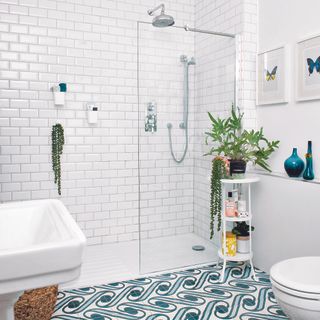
[{"x": 150, "y": 124}]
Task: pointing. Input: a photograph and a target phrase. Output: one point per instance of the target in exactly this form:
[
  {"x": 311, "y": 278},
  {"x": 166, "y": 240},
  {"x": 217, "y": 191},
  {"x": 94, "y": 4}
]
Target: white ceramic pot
[{"x": 243, "y": 244}]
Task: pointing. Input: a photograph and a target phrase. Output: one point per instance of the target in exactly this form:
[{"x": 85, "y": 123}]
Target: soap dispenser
[{"x": 92, "y": 113}]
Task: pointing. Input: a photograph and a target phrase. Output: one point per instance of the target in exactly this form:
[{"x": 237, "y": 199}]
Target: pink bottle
[{"x": 230, "y": 206}]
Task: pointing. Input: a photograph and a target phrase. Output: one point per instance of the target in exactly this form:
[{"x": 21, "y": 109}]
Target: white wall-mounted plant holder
[
  {"x": 59, "y": 98},
  {"x": 92, "y": 113},
  {"x": 59, "y": 93}
]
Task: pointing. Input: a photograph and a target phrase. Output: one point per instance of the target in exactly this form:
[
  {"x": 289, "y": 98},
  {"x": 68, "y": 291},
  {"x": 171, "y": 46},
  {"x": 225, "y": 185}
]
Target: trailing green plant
[
  {"x": 242, "y": 229},
  {"x": 218, "y": 171},
  {"x": 235, "y": 143},
  {"x": 57, "y": 137}
]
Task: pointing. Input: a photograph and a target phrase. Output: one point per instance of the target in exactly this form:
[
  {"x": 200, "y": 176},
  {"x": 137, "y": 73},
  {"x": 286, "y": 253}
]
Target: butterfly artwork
[
  {"x": 270, "y": 76},
  {"x": 313, "y": 65}
]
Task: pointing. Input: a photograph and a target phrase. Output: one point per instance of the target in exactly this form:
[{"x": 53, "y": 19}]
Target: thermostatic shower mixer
[{"x": 150, "y": 124}]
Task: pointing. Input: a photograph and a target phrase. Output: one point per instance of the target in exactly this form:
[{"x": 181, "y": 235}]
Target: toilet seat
[
  {"x": 295, "y": 293},
  {"x": 299, "y": 277}
]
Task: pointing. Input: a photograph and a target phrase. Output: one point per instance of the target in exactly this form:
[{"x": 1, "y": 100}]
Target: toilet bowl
[{"x": 296, "y": 286}]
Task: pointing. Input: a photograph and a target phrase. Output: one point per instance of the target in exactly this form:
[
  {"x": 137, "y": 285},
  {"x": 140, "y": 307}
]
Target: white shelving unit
[{"x": 235, "y": 183}]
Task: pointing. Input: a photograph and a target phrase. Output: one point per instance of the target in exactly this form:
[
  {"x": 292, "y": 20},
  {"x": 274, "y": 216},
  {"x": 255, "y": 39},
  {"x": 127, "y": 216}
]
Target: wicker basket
[{"x": 36, "y": 304}]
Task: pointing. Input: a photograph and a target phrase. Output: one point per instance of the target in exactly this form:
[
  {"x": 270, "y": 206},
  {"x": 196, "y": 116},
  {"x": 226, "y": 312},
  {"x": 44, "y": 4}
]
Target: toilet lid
[{"x": 300, "y": 274}]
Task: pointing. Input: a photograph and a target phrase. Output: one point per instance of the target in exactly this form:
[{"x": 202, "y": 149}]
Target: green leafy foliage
[
  {"x": 218, "y": 171},
  {"x": 231, "y": 141},
  {"x": 57, "y": 137},
  {"x": 242, "y": 229}
]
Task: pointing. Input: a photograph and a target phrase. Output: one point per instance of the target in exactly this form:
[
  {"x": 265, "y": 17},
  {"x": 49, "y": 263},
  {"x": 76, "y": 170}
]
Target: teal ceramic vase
[
  {"x": 308, "y": 172},
  {"x": 294, "y": 165}
]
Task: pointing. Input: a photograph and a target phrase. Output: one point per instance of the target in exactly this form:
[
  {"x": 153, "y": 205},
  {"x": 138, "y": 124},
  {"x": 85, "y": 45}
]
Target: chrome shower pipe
[
  {"x": 222, "y": 34},
  {"x": 152, "y": 11},
  {"x": 187, "y": 28}
]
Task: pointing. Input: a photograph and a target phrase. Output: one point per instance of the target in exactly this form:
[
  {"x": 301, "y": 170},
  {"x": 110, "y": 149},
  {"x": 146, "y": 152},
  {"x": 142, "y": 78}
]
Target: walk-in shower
[
  {"x": 184, "y": 124},
  {"x": 183, "y": 72},
  {"x": 165, "y": 208}
]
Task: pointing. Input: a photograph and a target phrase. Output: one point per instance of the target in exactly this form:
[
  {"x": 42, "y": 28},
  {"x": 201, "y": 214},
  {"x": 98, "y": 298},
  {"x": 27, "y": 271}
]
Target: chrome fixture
[
  {"x": 150, "y": 124},
  {"x": 184, "y": 124},
  {"x": 222, "y": 34},
  {"x": 162, "y": 20}
]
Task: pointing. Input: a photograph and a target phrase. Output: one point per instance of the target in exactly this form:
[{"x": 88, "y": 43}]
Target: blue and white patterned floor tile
[{"x": 192, "y": 294}]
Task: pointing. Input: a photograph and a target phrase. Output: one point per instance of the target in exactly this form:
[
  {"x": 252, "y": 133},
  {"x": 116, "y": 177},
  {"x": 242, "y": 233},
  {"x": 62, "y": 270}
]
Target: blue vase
[
  {"x": 294, "y": 165},
  {"x": 308, "y": 172}
]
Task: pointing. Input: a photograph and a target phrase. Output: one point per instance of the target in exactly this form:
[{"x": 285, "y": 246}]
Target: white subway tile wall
[
  {"x": 92, "y": 46},
  {"x": 214, "y": 84},
  {"x": 167, "y": 187}
]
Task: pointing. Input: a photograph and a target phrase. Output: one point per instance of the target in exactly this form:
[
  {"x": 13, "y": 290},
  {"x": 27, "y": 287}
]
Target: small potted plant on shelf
[
  {"x": 241, "y": 230},
  {"x": 233, "y": 147}
]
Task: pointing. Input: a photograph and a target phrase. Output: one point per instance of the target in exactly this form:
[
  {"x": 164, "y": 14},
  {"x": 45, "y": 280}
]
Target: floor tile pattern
[{"x": 192, "y": 294}]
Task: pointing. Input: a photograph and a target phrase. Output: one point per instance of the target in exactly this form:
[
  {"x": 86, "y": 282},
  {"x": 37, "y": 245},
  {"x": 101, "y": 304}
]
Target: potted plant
[
  {"x": 233, "y": 147},
  {"x": 241, "y": 230}
]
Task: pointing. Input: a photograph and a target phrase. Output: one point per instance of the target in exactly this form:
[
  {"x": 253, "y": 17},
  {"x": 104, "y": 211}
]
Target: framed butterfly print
[
  {"x": 308, "y": 69},
  {"x": 272, "y": 76}
]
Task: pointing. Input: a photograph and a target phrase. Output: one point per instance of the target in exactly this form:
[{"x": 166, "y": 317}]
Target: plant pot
[
  {"x": 37, "y": 304},
  {"x": 237, "y": 167},
  {"x": 243, "y": 244}
]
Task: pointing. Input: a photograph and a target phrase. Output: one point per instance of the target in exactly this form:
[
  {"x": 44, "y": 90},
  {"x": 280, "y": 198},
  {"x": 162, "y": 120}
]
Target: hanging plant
[
  {"x": 57, "y": 136},
  {"x": 219, "y": 170}
]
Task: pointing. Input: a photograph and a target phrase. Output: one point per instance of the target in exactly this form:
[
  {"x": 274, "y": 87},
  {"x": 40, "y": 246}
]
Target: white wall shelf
[
  {"x": 284, "y": 176},
  {"x": 248, "y": 180}
]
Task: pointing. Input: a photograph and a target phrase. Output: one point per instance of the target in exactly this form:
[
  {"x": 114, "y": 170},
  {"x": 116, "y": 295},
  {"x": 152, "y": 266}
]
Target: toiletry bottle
[
  {"x": 230, "y": 206},
  {"x": 242, "y": 207}
]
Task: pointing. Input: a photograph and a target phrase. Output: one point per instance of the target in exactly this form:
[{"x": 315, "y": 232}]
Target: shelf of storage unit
[
  {"x": 238, "y": 257},
  {"x": 236, "y": 219},
  {"x": 248, "y": 180}
]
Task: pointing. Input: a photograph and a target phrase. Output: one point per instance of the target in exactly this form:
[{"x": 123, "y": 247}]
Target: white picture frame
[
  {"x": 308, "y": 71},
  {"x": 272, "y": 76}
]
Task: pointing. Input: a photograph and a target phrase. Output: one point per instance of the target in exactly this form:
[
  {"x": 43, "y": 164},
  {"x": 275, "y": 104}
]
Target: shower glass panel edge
[{"x": 159, "y": 82}]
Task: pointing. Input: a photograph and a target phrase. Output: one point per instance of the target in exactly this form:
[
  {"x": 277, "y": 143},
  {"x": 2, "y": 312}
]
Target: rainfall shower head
[{"x": 162, "y": 20}]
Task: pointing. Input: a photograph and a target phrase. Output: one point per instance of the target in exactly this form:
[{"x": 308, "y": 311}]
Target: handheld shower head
[
  {"x": 162, "y": 20},
  {"x": 184, "y": 59},
  {"x": 192, "y": 61}
]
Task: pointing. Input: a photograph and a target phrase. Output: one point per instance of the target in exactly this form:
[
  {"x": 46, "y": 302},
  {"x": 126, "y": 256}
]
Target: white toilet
[{"x": 296, "y": 286}]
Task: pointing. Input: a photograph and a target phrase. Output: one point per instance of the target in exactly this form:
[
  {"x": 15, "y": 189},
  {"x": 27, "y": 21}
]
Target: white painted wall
[
  {"x": 286, "y": 22},
  {"x": 287, "y": 214},
  {"x": 286, "y": 220}
]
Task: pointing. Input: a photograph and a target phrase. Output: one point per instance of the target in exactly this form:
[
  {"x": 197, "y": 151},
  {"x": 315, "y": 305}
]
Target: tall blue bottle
[{"x": 308, "y": 172}]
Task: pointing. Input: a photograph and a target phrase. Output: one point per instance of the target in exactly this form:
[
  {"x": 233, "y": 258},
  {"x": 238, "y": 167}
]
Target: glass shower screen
[{"x": 181, "y": 76}]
